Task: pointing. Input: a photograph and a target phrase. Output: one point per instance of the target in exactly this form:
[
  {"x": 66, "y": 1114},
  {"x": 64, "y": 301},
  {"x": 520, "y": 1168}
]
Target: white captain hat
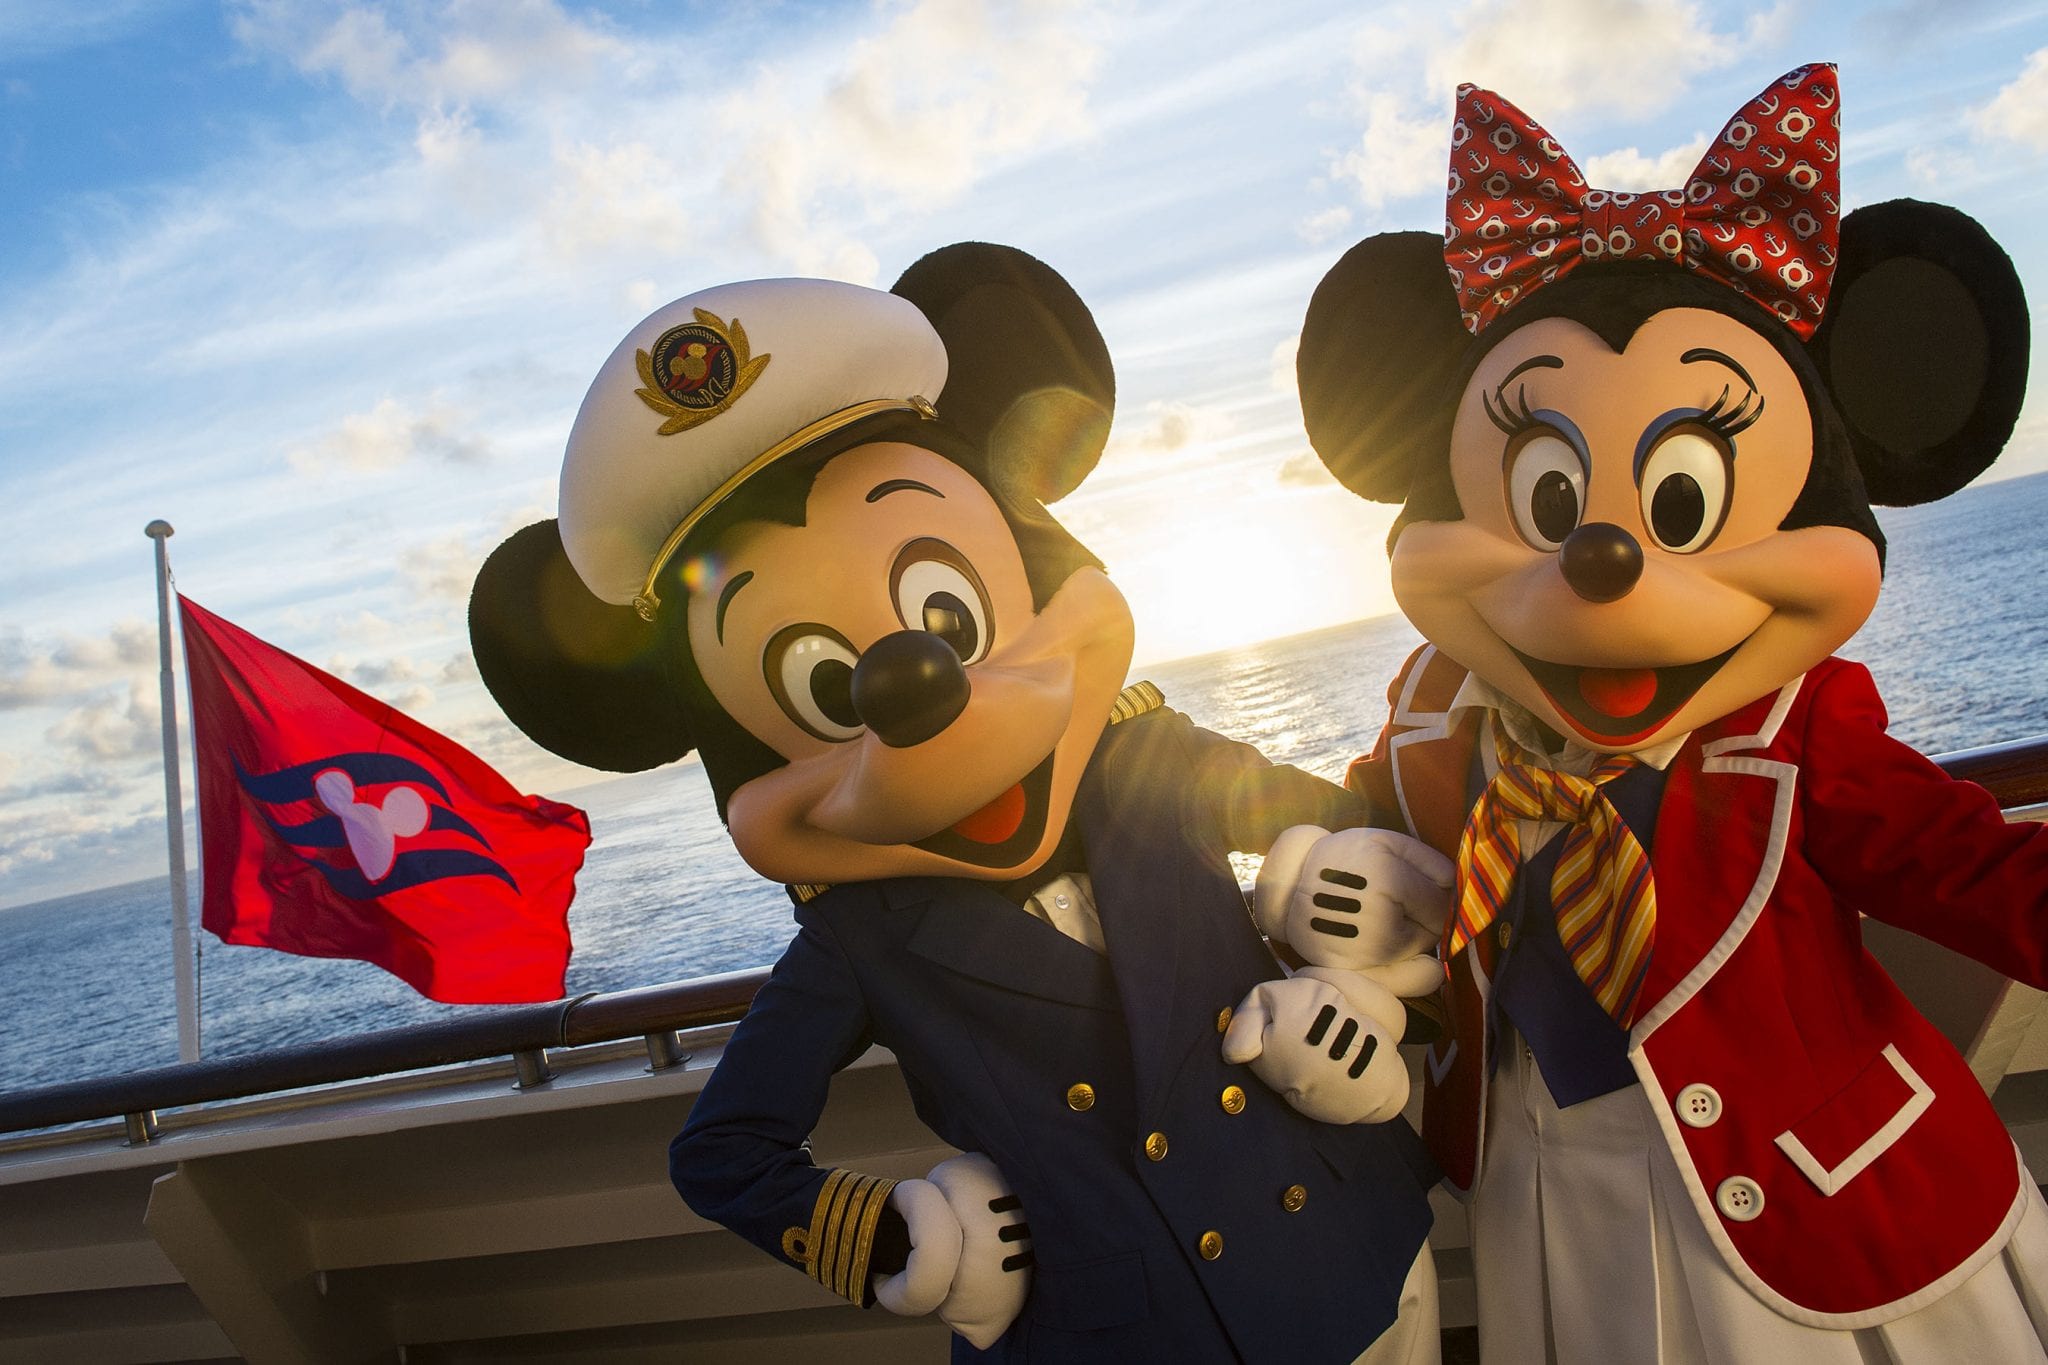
[{"x": 708, "y": 391}]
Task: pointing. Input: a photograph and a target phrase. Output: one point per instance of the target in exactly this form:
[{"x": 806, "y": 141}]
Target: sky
[{"x": 322, "y": 283}]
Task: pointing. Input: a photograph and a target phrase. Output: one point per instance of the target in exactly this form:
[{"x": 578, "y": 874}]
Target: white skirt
[{"x": 1586, "y": 1247}]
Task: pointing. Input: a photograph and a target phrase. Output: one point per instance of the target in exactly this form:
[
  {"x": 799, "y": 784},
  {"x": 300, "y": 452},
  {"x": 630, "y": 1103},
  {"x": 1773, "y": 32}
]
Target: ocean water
[{"x": 1957, "y": 644}]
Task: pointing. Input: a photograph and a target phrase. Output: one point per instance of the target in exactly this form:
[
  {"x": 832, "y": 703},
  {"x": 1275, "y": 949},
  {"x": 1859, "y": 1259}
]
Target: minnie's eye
[
  {"x": 936, "y": 589},
  {"x": 1546, "y": 488},
  {"x": 1684, "y": 486},
  {"x": 810, "y": 672}
]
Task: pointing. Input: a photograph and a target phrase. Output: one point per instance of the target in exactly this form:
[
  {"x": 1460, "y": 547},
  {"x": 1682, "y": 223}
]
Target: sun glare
[{"x": 1204, "y": 574}]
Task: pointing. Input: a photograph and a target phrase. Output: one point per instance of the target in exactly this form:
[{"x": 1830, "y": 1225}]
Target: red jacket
[{"x": 1844, "y": 1159}]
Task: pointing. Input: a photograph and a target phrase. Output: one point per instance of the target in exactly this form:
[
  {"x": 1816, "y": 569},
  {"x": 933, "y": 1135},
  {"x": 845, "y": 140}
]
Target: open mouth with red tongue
[
  {"x": 1003, "y": 832},
  {"x": 1619, "y": 706}
]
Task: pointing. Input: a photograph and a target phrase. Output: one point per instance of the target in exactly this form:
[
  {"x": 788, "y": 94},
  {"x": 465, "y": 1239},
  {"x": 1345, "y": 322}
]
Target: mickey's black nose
[
  {"x": 908, "y": 687},
  {"x": 1601, "y": 561}
]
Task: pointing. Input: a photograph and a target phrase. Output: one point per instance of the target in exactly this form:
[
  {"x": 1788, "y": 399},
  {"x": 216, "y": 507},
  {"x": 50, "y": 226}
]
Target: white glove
[
  {"x": 1358, "y": 898},
  {"x": 1326, "y": 1039},
  {"x": 970, "y": 1250},
  {"x": 927, "y": 1274}
]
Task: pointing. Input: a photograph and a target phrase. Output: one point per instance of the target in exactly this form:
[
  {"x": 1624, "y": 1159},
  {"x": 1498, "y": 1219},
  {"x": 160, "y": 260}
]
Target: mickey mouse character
[
  {"x": 803, "y": 532},
  {"x": 1636, "y": 439}
]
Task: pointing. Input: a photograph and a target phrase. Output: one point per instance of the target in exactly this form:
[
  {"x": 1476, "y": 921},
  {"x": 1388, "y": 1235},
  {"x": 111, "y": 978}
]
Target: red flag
[{"x": 333, "y": 825}]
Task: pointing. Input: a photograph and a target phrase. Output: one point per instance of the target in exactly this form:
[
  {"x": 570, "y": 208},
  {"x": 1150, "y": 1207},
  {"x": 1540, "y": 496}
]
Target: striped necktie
[{"x": 1601, "y": 890}]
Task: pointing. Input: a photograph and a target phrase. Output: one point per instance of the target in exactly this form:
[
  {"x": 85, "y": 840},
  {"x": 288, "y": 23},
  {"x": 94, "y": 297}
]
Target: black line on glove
[
  {"x": 1364, "y": 1057},
  {"x": 1322, "y": 1024},
  {"x": 1339, "y": 878},
  {"x": 1020, "y": 1260},
  {"x": 1003, "y": 1203},
  {"x": 1343, "y": 905},
  {"x": 1342, "y": 1043},
  {"x": 1335, "y": 928},
  {"x": 1013, "y": 1232}
]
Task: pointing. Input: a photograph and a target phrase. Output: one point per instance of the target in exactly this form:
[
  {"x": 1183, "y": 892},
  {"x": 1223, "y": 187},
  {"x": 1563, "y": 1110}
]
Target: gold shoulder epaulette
[
  {"x": 1133, "y": 701},
  {"x": 834, "y": 1249}
]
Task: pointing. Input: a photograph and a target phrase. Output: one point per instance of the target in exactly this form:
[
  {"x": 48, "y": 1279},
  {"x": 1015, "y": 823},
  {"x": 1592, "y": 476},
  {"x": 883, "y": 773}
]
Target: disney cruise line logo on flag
[{"x": 333, "y": 825}]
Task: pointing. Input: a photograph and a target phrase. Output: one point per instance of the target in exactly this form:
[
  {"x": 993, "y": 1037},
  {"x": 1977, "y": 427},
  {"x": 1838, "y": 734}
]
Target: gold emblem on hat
[{"x": 696, "y": 371}]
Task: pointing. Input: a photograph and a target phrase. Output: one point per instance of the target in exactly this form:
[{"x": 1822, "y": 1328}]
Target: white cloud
[
  {"x": 1629, "y": 169},
  {"x": 625, "y": 195},
  {"x": 390, "y": 435},
  {"x": 432, "y": 57},
  {"x": 910, "y": 116},
  {"x": 1404, "y": 150},
  {"x": 1284, "y": 380},
  {"x": 94, "y": 782},
  {"x": 1306, "y": 470},
  {"x": 1168, "y": 429},
  {"x": 1321, "y": 226},
  {"x": 1550, "y": 58},
  {"x": 130, "y": 644},
  {"x": 372, "y": 674},
  {"x": 359, "y": 47},
  {"x": 109, "y": 730},
  {"x": 71, "y": 665},
  {"x": 447, "y": 138},
  {"x": 2019, "y": 112},
  {"x": 413, "y": 700},
  {"x": 1934, "y": 165},
  {"x": 39, "y": 852},
  {"x": 444, "y": 568}
]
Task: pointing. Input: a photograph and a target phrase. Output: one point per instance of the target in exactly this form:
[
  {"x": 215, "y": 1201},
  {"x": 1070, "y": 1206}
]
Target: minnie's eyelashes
[
  {"x": 1719, "y": 418},
  {"x": 1729, "y": 424},
  {"x": 1511, "y": 421}
]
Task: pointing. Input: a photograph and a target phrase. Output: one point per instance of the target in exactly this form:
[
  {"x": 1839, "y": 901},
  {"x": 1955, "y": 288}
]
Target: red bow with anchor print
[{"x": 1759, "y": 214}]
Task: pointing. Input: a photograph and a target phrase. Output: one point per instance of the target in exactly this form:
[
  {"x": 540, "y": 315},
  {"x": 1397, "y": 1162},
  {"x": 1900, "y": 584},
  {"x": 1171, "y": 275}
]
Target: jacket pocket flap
[{"x": 1857, "y": 1124}]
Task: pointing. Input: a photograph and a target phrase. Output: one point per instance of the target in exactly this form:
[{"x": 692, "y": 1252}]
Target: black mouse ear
[
  {"x": 579, "y": 676},
  {"x": 1381, "y": 351},
  {"x": 1028, "y": 378},
  {"x": 1925, "y": 347}
]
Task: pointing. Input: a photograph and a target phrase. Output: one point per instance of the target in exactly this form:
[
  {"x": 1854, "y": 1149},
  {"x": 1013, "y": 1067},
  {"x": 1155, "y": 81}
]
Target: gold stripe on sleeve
[
  {"x": 878, "y": 1201},
  {"x": 842, "y": 1232},
  {"x": 819, "y": 1245},
  {"x": 826, "y": 1268}
]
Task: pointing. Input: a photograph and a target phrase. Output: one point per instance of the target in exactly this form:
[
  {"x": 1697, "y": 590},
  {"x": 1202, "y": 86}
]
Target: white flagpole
[{"x": 174, "y": 809}]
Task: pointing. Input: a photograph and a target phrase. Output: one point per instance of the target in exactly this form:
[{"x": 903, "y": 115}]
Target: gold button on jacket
[
  {"x": 1080, "y": 1097},
  {"x": 1223, "y": 1017},
  {"x": 1293, "y": 1197},
  {"x": 1211, "y": 1245},
  {"x": 1232, "y": 1099},
  {"x": 1155, "y": 1147}
]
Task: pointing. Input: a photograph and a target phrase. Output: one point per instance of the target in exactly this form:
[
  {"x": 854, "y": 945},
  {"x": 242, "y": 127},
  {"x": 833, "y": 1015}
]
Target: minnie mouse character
[
  {"x": 803, "y": 532},
  {"x": 1636, "y": 439}
]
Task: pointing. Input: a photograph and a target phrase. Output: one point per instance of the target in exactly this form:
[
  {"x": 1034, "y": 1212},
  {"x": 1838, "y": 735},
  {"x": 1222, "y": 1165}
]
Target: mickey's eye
[
  {"x": 936, "y": 589},
  {"x": 1546, "y": 487},
  {"x": 810, "y": 672},
  {"x": 1684, "y": 486}
]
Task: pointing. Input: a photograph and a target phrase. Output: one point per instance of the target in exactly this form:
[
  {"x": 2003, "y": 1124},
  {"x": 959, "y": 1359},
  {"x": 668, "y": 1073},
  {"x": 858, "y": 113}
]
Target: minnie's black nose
[
  {"x": 1601, "y": 561},
  {"x": 908, "y": 687}
]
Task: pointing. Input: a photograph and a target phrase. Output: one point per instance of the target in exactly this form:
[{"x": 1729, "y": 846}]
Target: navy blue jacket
[{"x": 994, "y": 1014}]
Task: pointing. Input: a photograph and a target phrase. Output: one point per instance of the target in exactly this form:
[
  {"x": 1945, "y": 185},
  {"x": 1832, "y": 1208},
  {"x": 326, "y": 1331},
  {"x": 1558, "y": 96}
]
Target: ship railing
[{"x": 2016, "y": 773}]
